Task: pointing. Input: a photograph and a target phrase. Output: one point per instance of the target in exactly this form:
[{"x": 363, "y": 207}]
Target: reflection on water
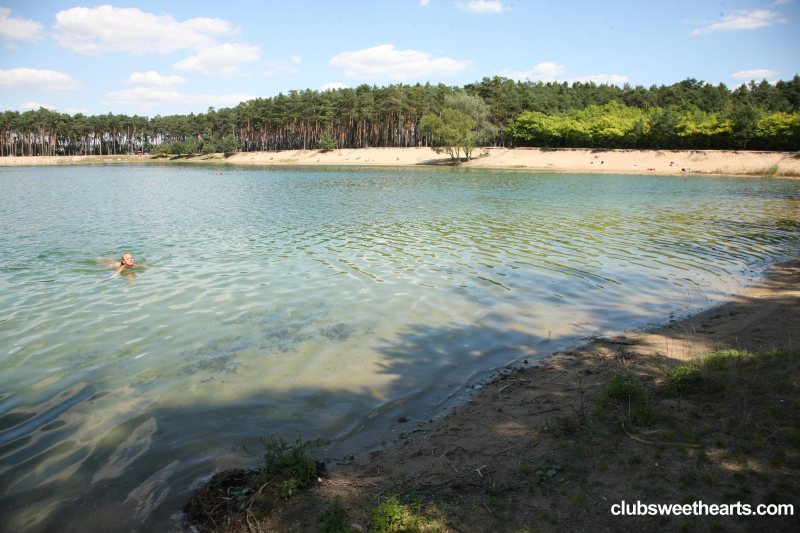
[{"x": 313, "y": 300}]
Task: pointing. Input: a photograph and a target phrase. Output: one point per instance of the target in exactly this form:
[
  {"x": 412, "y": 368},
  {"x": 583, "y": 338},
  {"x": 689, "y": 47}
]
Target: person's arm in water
[{"x": 123, "y": 267}]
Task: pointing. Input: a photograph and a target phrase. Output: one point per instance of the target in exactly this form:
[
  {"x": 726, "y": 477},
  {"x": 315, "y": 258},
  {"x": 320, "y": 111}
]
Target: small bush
[
  {"x": 622, "y": 388},
  {"x": 292, "y": 463}
]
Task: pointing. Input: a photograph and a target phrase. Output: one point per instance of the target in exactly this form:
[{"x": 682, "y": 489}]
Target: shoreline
[
  {"x": 515, "y": 417},
  {"x": 697, "y": 333},
  {"x": 739, "y": 163}
]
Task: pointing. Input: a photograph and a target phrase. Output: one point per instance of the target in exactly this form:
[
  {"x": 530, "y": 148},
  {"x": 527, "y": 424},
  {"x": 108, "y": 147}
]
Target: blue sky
[{"x": 175, "y": 57}]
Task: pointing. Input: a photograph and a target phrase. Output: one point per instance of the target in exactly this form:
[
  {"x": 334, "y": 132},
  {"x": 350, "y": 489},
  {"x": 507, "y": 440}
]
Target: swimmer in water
[{"x": 127, "y": 262}]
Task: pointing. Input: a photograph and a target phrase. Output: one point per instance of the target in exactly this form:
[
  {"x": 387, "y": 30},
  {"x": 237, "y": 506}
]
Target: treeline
[
  {"x": 678, "y": 126},
  {"x": 688, "y": 114}
]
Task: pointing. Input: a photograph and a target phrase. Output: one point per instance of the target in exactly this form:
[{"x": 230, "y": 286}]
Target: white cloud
[
  {"x": 11, "y": 46},
  {"x": 743, "y": 20},
  {"x": 220, "y": 60},
  {"x": 612, "y": 79},
  {"x": 779, "y": 2},
  {"x": 759, "y": 74},
  {"x": 386, "y": 62},
  {"x": 274, "y": 67},
  {"x": 75, "y": 111},
  {"x": 424, "y": 3},
  {"x": 152, "y": 78},
  {"x": 28, "y": 79},
  {"x": 551, "y": 72},
  {"x": 546, "y": 71},
  {"x": 482, "y": 6},
  {"x": 92, "y": 31},
  {"x": 156, "y": 96},
  {"x": 17, "y": 29},
  {"x": 35, "y": 106},
  {"x": 334, "y": 85}
]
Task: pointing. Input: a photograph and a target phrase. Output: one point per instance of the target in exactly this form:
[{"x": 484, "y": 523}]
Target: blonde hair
[{"x": 122, "y": 261}]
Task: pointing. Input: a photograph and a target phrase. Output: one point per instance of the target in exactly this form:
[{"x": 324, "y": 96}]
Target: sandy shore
[
  {"x": 482, "y": 464},
  {"x": 666, "y": 162},
  {"x": 513, "y": 419}
]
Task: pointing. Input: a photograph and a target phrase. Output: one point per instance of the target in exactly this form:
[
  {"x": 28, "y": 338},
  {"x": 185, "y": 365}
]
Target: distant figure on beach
[{"x": 127, "y": 262}]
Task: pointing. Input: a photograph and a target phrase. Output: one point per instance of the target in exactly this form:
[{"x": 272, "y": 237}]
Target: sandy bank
[
  {"x": 483, "y": 464},
  {"x": 666, "y": 162},
  {"x": 564, "y": 160}
]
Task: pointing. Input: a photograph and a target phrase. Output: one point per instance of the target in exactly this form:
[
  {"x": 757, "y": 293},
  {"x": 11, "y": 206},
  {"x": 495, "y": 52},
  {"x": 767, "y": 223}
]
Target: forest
[{"x": 690, "y": 114}]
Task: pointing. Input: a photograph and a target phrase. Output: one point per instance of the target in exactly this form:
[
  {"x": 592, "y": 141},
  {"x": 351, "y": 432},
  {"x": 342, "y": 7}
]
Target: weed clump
[
  {"x": 292, "y": 464},
  {"x": 544, "y": 470},
  {"x": 631, "y": 399},
  {"x": 235, "y": 496},
  {"x": 334, "y": 519},
  {"x": 391, "y": 517}
]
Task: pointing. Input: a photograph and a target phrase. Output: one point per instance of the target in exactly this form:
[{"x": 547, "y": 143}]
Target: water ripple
[{"x": 312, "y": 299}]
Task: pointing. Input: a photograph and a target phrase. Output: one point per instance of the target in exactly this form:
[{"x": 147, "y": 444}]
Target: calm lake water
[{"x": 314, "y": 300}]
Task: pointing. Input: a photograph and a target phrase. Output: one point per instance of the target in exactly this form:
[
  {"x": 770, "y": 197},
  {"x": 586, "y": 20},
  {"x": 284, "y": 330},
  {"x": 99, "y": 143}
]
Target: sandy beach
[{"x": 662, "y": 162}]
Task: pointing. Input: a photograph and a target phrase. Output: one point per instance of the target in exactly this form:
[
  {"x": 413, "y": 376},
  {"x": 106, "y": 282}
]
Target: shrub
[
  {"x": 334, "y": 519},
  {"x": 292, "y": 463}
]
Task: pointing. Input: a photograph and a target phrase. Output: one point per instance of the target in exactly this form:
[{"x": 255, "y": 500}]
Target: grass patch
[
  {"x": 622, "y": 394},
  {"x": 392, "y": 517},
  {"x": 773, "y": 170}
]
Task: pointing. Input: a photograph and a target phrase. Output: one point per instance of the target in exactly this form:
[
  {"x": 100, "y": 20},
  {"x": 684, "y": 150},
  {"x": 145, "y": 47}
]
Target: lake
[{"x": 319, "y": 302}]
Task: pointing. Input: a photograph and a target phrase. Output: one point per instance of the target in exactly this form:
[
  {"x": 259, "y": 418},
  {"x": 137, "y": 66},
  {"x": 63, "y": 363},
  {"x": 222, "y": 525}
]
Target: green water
[{"x": 328, "y": 302}]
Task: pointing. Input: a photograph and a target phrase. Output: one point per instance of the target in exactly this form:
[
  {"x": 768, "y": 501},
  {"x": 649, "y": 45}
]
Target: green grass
[
  {"x": 623, "y": 395},
  {"x": 393, "y": 517},
  {"x": 686, "y": 376},
  {"x": 773, "y": 170}
]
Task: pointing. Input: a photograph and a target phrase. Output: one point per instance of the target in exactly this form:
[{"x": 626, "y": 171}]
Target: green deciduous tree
[
  {"x": 451, "y": 133},
  {"x": 474, "y": 107}
]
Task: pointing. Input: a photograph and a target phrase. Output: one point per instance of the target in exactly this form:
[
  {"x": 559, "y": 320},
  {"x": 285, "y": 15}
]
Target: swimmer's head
[{"x": 127, "y": 260}]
